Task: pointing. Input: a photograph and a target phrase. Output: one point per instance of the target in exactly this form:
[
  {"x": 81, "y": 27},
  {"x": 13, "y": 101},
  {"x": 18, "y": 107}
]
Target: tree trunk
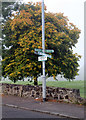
[
  {"x": 14, "y": 80},
  {"x": 35, "y": 81}
]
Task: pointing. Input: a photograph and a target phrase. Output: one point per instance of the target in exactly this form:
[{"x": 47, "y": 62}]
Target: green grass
[
  {"x": 66, "y": 84},
  {"x": 18, "y": 82}
]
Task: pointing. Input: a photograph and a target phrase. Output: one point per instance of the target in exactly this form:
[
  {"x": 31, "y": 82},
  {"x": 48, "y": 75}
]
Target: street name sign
[
  {"x": 47, "y": 51},
  {"x": 41, "y": 53},
  {"x": 38, "y": 50},
  {"x": 42, "y": 58}
]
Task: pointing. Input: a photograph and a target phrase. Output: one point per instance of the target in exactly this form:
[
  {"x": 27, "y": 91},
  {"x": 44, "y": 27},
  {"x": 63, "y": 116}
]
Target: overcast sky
[{"x": 74, "y": 10}]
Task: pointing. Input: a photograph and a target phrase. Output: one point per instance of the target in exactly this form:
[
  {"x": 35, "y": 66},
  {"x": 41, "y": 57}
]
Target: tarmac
[{"x": 66, "y": 110}]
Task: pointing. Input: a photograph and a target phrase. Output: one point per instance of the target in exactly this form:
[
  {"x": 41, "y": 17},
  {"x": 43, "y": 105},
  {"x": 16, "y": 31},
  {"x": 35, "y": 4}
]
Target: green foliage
[
  {"x": 8, "y": 8},
  {"x": 24, "y": 34}
]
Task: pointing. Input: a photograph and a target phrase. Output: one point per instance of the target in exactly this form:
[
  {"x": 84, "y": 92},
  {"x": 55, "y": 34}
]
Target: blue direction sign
[
  {"x": 47, "y": 51},
  {"x": 38, "y": 50}
]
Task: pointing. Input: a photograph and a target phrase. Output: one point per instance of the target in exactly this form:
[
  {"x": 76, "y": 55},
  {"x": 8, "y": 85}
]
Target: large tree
[
  {"x": 24, "y": 34},
  {"x": 8, "y": 8}
]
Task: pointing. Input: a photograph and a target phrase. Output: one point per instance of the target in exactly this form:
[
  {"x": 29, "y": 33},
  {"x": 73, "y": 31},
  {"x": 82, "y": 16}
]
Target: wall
[{"x": 61, "y": 94}]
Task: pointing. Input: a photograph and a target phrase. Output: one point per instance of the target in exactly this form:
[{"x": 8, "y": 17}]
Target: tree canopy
[{"x": 23, "y": 33}]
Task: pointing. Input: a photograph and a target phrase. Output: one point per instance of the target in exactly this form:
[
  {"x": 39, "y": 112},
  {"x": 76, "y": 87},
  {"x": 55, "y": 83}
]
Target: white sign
[
  {"x": 42, "y": 58},
  {"x": 40, "y": 53}
]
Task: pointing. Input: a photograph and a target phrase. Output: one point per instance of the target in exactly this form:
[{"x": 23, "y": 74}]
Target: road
[{"x": 10, "y": 112}]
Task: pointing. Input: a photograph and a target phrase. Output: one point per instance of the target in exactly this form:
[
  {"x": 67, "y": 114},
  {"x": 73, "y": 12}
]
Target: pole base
[{"x": 44, "y": 99}]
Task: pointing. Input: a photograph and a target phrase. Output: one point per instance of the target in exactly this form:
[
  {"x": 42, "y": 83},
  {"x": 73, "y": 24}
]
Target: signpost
[
  {"x": 43, "y": 52},
  {"x": 43, "y": 47}
]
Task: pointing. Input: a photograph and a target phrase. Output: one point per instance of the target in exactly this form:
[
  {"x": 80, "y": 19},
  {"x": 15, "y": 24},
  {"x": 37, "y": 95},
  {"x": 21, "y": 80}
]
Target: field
[{"x": 66, "y": 84}]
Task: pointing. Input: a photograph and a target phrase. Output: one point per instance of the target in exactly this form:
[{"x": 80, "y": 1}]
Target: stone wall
[{"x": 61, "y": 94}]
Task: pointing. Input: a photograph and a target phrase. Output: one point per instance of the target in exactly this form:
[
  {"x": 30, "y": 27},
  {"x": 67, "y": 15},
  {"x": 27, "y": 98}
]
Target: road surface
[{"x": 10, "y": 112}]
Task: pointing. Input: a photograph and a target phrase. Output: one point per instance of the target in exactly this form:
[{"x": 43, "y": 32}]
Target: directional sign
[
  {"x": 42, "y": 58},
  {"x": 40, "y": 53},
  {"x": 47, "y": 51},
  {"x": 38, "y": 50}
]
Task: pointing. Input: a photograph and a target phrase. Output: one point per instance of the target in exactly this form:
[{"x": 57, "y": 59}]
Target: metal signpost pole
[{"x": 43, "y": 47}]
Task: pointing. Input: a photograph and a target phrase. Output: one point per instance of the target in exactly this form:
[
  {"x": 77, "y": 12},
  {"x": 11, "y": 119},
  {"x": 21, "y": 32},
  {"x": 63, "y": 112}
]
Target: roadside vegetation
[{"x": 22, "y": 34}]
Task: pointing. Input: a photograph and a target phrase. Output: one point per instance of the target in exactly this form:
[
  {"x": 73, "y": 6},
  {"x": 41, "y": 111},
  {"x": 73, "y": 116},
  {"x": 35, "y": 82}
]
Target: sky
[{"x": 74, "y": 10}]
